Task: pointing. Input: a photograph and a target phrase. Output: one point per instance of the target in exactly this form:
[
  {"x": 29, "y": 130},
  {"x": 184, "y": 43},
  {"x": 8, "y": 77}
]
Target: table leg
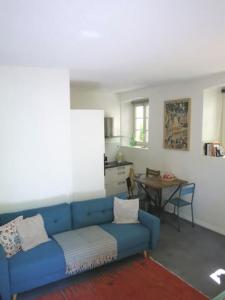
[
  {"x": 157, "y": 202},
  {"x": 160, "y": 208},
  {"x": 171, "y": 196},
  {"x": 148, "y": 194}
]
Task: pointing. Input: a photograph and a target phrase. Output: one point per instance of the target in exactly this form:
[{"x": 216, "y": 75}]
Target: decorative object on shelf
[
  {"x": 119, "y": 156},
  {"x": 168, "y": 176},
  {"x": 177, "y": 115},
  {"x": 213, "y": 149}
]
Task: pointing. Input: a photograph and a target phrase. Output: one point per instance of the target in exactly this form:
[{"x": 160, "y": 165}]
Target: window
[{"x": 141, "y": 122}]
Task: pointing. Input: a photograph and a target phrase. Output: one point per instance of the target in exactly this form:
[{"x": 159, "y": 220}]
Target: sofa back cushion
[
  {"x": 57, "y": 218},
  {"x": 93, "y": 212}
]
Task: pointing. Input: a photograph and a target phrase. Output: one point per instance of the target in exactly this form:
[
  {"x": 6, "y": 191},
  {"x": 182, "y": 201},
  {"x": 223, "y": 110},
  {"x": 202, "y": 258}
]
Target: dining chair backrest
[
  {"x": 151, "y": 172},
  {"x": 129, "y": 188},
  {"x": 139, "y": 188},
  {"x": 187, "y": 189}
]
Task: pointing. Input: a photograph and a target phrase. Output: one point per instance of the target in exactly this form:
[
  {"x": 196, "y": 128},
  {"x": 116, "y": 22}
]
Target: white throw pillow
[
  {"x": 9, "y": 238},
  {"x": 126, "y": 211},
  {"x": 32, "y": 232}
]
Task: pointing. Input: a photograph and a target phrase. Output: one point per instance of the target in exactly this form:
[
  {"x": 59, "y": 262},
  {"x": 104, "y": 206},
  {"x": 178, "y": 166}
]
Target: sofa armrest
[
  {"x": 153, "y": 224},
  {"x": 4, "y": 276}
]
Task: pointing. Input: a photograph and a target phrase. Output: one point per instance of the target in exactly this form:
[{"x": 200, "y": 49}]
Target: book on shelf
[{"x": 214, "y": 149}]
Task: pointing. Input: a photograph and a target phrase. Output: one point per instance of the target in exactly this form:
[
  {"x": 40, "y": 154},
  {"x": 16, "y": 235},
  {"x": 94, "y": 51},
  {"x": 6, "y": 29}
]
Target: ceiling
[{"x": 115, "y": 44}]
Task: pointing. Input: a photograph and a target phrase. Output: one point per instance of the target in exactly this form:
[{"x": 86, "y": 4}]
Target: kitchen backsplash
[{"x": 112, "y": 146}]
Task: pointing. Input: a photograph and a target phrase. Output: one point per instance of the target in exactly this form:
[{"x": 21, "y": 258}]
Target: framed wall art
[{"x": 177, "y": 117}]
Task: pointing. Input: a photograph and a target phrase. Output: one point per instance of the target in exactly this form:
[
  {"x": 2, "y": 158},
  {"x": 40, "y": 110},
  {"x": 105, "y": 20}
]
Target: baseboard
[
  {"x": 206, "y": 225},
  {"x": 199, "y": 222}
]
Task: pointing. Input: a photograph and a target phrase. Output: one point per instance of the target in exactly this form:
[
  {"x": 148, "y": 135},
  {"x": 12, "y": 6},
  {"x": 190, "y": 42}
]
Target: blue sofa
[{"x": 45, "y": 263}]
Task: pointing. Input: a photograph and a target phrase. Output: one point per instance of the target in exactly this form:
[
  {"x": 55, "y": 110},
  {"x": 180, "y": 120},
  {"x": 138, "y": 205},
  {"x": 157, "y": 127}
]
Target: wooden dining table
[{"x": 158, "y": 184}]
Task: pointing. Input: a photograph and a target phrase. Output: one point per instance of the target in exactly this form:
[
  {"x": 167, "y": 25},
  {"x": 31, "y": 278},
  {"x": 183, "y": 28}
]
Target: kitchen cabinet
[{"x": 115, "y": 179}]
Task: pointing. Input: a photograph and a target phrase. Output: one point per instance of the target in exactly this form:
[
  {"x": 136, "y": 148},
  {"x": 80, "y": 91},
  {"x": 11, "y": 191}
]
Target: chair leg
[
  {"x": 146, "y": 253},
  {"x": 178, "y": 218},
  {"x": 192, "y": 215}
]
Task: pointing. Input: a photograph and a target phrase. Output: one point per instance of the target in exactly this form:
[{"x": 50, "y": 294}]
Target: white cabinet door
[
  {"x": 115, "y": 179},
  {"x": 88, "y": 147},
  {"x": 109, "y": 175}
]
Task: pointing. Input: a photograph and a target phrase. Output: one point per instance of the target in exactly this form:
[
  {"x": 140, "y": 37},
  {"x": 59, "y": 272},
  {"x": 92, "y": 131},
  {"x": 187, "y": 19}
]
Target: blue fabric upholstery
[
  {"x": 185, "y": 198},
  {"x": 42, "y": 261},
  {"x": 46, "y": 263},
  {"x": 128, "y": 235},
  {"x": 93, "y": 212},
  {"x": 179, "y": 202},
  {"x": 4, "y": 275},
  {"x": 153, "y": 224},
  {"x": 57, "y": 218},
  {"x": 133, "y": 250},
  {"x": 187, "y": 189}
]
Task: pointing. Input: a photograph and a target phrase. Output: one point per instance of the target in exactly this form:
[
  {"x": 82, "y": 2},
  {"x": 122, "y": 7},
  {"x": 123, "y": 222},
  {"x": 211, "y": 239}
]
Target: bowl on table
[{"x": 168, "y": 177}]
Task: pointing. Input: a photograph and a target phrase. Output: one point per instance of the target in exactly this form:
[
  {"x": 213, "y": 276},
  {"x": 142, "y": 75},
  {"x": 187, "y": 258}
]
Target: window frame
[{"x": 145, "y": 104}]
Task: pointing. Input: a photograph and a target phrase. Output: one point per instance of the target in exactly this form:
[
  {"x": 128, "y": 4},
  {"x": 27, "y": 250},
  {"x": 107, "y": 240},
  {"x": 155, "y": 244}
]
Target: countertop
[{"x": 114, "y": 164}]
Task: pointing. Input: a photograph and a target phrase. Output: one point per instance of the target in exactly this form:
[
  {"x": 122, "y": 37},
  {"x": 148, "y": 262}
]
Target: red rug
[{"x": 140, "y": 279}]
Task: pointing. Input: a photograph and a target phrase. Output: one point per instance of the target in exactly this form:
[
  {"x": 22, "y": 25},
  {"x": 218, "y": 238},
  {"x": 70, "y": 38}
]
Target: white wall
[
  {"x": 84, "y": 98},
  {"x": 35, "y": 151},
  {"x": 212, "y": 114},
  {"x": 87, "y": 136},
  {"x": 127, "y": 116},
  {"x": 95, "y": 98},
  {"x": 208, "y": 173}
]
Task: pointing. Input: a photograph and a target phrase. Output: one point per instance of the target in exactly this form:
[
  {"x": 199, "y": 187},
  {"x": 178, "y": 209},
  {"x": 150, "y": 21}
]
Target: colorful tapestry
[{"x": 177, "y": 115}]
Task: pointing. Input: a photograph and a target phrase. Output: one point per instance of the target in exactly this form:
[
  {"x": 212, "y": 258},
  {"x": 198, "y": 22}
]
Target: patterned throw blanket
[{"x": 86, "y": 248}]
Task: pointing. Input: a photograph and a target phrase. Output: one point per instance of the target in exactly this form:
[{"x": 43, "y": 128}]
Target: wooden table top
[{"x": 156, "y": 182}]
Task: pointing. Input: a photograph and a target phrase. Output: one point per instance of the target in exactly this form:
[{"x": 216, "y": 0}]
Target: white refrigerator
[{"x": 88, "y": 148}]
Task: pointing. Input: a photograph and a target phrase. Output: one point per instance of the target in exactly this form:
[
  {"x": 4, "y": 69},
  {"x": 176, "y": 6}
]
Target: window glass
[
  {"x": 139, "y": 112},
  {"x": 139, "y": 124},
  {"x": 138, "y": 135}
]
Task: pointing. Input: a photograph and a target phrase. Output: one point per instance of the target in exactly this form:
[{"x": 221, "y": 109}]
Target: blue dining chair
[{"x": 185, "y": 198}]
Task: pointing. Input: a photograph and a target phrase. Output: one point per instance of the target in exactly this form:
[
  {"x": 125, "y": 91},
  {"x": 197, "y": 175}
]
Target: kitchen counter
[{"x": 114, "y": 164}]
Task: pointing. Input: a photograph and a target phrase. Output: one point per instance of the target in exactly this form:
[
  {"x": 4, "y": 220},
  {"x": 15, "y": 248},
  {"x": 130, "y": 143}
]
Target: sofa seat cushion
[
  {"x": 128, "y": 235},
  {"x": 39, "y": 262}
]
